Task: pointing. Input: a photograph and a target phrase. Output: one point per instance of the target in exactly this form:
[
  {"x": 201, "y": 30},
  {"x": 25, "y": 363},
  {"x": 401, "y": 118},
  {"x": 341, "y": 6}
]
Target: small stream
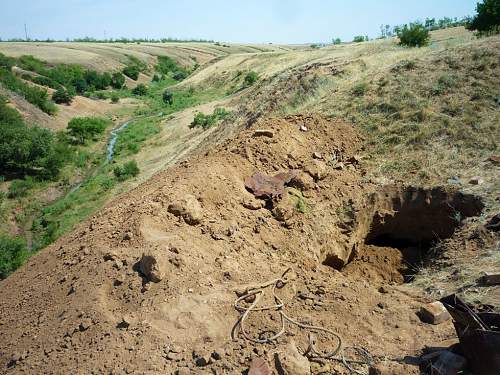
[{"x": 113, "y": 138}]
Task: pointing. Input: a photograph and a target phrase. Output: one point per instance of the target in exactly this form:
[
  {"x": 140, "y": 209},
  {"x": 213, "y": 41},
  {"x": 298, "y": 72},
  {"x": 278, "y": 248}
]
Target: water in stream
[{"x": 113, "y": 138}]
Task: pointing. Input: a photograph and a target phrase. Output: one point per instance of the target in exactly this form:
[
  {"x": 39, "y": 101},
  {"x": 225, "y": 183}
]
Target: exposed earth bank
[{"x": 88, "y": 304}]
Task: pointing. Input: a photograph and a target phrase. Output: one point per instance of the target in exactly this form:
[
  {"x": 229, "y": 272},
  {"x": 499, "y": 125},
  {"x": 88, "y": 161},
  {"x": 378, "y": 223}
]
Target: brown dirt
[{"x": 80, "y": 306}]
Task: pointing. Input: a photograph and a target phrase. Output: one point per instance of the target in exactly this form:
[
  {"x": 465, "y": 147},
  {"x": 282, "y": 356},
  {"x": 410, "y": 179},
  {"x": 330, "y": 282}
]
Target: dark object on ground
[
  {"x": 490, "y": 278},
  {"x": 268, "y": 187},
  {"x": 494, "y": 223},
  {"x": 479, "y": 335}
]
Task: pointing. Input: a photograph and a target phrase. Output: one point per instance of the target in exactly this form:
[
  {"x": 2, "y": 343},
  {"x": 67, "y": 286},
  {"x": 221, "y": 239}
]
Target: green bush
[
  {"x": 115, "y": 98},
  {"x": 414, "y": 35},
  {"x": 62, "y": 96},
  {"x": 13, "y": 253},
  {"x": 206, "y": 121},
  {"x": 20, "y": 188},
  {"x": 128, "y": 170},
  {"x": 250, "y": 78},
  {"x": 140, "y": 90},
  {"x": 26, "y": 150},
  {"x": 180, "y": 75},
  {"x": 487, "y": 20},
  {"x": 360, "y": 38},
  {"x": 131, "y": 71},
  {"x": 117, "y": 80},
  {"x": 86, "y": 128},
  {"x": 168, "y": 97},
  {"x": 6, "y": 62},
  {"x": 360, "y": 89},
  {"x": 45, "y": 81},
  {"x": 100, "y": 95},
  {"x": 156, "y": 78}
]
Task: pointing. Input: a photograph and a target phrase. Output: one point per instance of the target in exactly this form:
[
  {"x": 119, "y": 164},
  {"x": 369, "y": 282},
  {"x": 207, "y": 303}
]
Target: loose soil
[{"x": 82, "y": 306}]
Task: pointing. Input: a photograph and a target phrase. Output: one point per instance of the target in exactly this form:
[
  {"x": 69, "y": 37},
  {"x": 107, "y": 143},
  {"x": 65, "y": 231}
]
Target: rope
[{"x": 257, "y": 292}]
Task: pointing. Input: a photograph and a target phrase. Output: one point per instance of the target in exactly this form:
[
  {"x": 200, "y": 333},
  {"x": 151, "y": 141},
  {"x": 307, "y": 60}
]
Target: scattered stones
[
  {"x": 152, "y": 265},
  {"x": 434, "y": 313},
  {"x": 259, "y": 366},
  {"x": 476, "y": 180},
  {"x": 188, "y": 208},
  {"x": 490, "y": 278},
  {"x": 263, "y": 133}
]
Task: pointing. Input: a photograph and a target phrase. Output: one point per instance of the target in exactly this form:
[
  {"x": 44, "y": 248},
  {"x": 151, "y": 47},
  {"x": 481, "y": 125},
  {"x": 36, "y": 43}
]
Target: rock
[
  {"x": 291, "y": 362},
  {"x": 188, "y": 208},
  {"x": 171, "y": 356},
  {"x": 203, "y": 360},
  {"x": 317, "y": 155},
  {"x": 253, "y": 204},
  {"x": 126, "y": 321},
  {"x": 434, "y": 313},
  {"x": 152, "y": 265},
  {"x": 263, "y": 133},
  {"x": 85, "y": 324},
  {"x": 317, "y": 169},
  {"x": 217, "y": 354},
  {"x": 383, "y": 290},
  {"x": 259, "y": 366},
  {"x": 303, "y": 128},
  {"x": 475, "y": 181},
  {"x": 495, "y": 159},
  {"x": 490, "y": 278},
  {"x": 284, "y": 210},
  {"x": 302, "y": 181},
  {"x": 449, "y": 363}
]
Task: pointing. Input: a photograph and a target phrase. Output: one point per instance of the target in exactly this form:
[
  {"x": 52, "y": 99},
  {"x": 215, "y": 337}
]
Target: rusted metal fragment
[
  {"x": 479, "y": 334},
  {"x": 269, "y": 187}
]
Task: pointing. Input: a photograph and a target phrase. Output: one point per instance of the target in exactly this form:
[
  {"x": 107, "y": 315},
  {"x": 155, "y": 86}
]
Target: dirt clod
[
  {"x": 152, "y": 265},
  {"x": 188, "y": 208}
]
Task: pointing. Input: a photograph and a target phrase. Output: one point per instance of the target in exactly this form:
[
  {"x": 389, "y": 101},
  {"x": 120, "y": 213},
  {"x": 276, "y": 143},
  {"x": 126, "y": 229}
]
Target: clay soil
[{"x": 81, "y": 306}]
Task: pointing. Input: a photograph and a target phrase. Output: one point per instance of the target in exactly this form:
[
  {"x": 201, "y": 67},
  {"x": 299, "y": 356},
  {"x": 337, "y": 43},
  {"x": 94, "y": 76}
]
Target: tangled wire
[{"x": 256, "y": 293}]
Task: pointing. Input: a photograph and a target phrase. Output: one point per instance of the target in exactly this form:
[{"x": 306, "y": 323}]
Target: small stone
[
  {"x": 203, "y": 360},
  {"x": 216, "y": 354},
  {"x": 152, "y": 265},
  {"x": 263, "y": 133},
  {"x": 128, "y": 236},
  {"x": 382, "y": 305},
  {"x": 126, "y": 321},
  {"x": 490, "y": 278},
  {"x": 317, "y": 155},
  {"x": 303, "y": 128},
  {"x": 171, "y": 356},
  {"x": 292, "y": 362},
  {"x": 383, "y": 290},
  {"x": 85, "y": 324},
  {"x": 259, "y": 366},
  {"x": 188, "y": 208},
  {"x": 476, "y": 180},
  {"x": 434, "y": 313}
]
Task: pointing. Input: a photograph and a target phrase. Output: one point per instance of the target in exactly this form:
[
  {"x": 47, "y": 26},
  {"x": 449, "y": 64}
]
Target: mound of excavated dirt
[{"x": 83, "y": 306}]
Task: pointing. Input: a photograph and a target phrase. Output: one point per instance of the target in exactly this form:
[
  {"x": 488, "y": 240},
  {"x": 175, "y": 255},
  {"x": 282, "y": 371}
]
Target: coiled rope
[{"x": 257, "y": 293}]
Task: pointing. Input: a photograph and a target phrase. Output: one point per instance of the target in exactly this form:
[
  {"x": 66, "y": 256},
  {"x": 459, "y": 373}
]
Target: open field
[{"x": 389, "y": 156}]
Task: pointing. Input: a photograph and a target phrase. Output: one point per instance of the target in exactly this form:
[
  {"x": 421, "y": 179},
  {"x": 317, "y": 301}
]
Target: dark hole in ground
[{"x": 415, "y": 219}]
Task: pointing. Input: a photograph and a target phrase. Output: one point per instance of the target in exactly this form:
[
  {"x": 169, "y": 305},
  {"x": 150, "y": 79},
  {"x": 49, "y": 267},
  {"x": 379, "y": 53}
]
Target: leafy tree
[
  {"x": 132, "y": 72},
  {"x": 207, "y": 121},
  {"x": 117, "y": 80},
  {"x": 336, "y": 41},
  {"x": 62, "y": 96},
  {"x": 168, "y": 97},
  {"x": 360, "y": 38},
  {"x": 13, "y": 253},
  {"x": 85, "y": 128},
  {"x": 414, "y": 35},
  {"x": 140, "y": 90},
  {"x": 487, "y": 20}
]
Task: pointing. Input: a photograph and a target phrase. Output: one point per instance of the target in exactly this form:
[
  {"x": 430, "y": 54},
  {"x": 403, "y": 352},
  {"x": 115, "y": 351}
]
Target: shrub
[
  {"x": 131, "y": 71},
  {"x": 140, "y": 90},
  {"x": 180, "y": 75},
  {"x": 168, "y": 97},
  {"x": 117, "y": 80},
  {"x": 115, "y": 98},
  {"x": 487, "y": 20},
  {"x": 100, "y": 95},
  {"x": 360, "y": 89},
  {"x": 85, "y": 128},
  {"x": 360, "y": 38},
  {"x": 62, "y": 96},
  {"x": 45, "y": 81},
  {"x": 6, "y": 62},
  {"x": 414, "y": 35},
  {"x": 13, "y": 253},
  {"x": 206, "y": 121},
  {"x": 250, "y": 78},
  {"x": 20, "y": 188},
  {"x": 156, "y": 78},
  {"x": 128, "y": 170},
  {"x": 336, "y": 41}
]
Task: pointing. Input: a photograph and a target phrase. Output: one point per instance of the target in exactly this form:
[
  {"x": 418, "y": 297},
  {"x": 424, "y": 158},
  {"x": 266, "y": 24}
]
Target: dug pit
[{"x": 400, "y": 225}]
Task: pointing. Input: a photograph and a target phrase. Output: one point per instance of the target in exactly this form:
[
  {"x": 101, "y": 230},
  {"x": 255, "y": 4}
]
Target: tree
[
  {"x": 117, "y": 80},
  {"x": 360, "y": 38},
  {"x": 62, "y": 96},
  {"x": 336, "y": 41},
  {"x": 414, "y": 35},
  {"x": 131, "y": 71},
  {"x": 84, "y": 128},
  {"x": 168, "y": 97},
  {"x": 140, "y": 90},
  {"x": 487, "y": 20}
]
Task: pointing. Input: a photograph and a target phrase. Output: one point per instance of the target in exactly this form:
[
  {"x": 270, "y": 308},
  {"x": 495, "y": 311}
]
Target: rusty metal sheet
[{"x": 269, "y": 187}]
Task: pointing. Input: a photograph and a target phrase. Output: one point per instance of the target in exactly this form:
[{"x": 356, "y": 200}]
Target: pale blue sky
[{"x": 252, "y": 21}]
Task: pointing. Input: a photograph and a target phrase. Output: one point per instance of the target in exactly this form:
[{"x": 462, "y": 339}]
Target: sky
[{"x": 238, "y": 21}]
